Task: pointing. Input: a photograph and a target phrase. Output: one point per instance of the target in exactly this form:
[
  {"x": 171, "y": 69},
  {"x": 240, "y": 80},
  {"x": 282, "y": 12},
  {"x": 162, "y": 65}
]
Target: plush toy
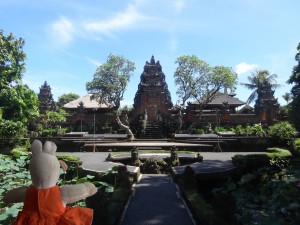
[{"x": 44, "y": 201}]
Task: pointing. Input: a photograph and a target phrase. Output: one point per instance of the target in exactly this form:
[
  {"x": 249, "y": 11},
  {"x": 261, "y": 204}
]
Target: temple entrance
[
  {"x": 152, "y": 113},
  {"x": 151, "y": 103}
]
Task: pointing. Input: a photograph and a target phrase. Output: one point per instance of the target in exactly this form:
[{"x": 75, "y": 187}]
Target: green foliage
[
  {"x": 295, "y": 80},
  {"x": 11, "y": 133},
  {"x": 265, "y": 196},
  {"x": 254, "y": 161},
  {"x": 297, "y": 142},
  {"x": 49, "y": 123},
  {"x": 287, "y": 97},
  {"x": 12, "y": 59},
  {"x": 282, "y": 131},
  {"x": 154, "y": 166},
  {"x": 66, "y": 98},
  {"x": 19, "y": 103},
  {"x": 256, "y": 129},
  {"x": 198, "y": 131},
  {"x": 71, "y": 158},
  {"x": 13, "y": 173},
  {"x": 195, "y": 200},
  {"x": 110, "y": 80},
  {"x": 256, "y": 81},
  {"x": 197, "y": 80}
]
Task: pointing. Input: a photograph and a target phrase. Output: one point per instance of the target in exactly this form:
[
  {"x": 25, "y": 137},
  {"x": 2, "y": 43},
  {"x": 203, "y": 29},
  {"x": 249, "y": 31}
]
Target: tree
[
  {"x": 189, "y": 71},
  {"x": 110, "y": 82},
  {"x": 295, "y": 80},
  {"x": 12, "y": 59},
  {"x": 287, "y": 97},
  {"x": 197, "y": 80},
  {"x": 66, "y": 98},
  {"x": 19, "y": 103},
  {"x": 49, "y": 123},
  {"x": 256, "y": 81}
]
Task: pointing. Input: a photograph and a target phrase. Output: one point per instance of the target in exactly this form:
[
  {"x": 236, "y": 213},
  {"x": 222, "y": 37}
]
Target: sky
[{"x": 66, "y": 40}]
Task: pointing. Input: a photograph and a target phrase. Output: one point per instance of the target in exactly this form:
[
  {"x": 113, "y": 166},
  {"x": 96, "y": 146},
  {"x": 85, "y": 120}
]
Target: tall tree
[
  {"x": 12, "y": 59},
  {"x": 19, "y": 103},
  {"x": 287, "y": 97},
  {"x": 198, "y": 81},
  {"x": 66, "y": 98},
  {"x": 195, "y": 79},
  {"x": 295, "y": 80},
  {"x": 257, "y": 79},
  {"x": 110, "y": 82},
  {"x": 188, "y": 73}
]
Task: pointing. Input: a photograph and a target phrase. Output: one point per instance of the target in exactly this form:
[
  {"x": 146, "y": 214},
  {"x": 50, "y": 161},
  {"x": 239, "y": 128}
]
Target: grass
[
  {"x": 195, "y": 201},
  {"x": 70, "y": 158}
]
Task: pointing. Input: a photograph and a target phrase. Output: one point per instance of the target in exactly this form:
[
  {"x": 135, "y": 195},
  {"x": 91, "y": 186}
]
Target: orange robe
[{"x": 44, "y": 207}]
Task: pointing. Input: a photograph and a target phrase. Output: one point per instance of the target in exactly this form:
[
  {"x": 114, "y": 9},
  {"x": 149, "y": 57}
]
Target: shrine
[
  {"x": 266, "y": 106},
  {"x": 46, "y": 99},
  {"x": 155, "y": 117},
  {"x": 152, "y": 102}
]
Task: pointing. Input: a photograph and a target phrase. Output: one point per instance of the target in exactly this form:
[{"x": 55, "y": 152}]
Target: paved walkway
[{"x": 156, "y": 201}]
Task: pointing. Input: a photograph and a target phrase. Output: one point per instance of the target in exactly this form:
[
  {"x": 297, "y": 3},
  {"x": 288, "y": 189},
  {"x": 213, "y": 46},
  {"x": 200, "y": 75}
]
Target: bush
[
  {"x": 283, "y": 132},
  {"x": 256, "y": 129},
  {"x": 11, "y": 133},
  {"x": 154, "y": 166}
]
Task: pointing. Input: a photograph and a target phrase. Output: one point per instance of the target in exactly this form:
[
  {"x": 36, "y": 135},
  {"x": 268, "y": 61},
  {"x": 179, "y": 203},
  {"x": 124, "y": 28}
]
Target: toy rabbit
[{"x": 44, "y": 201}]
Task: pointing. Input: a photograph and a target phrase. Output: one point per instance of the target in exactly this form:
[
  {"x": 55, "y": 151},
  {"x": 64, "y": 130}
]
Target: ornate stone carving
[{"x": 152, "y": 97}]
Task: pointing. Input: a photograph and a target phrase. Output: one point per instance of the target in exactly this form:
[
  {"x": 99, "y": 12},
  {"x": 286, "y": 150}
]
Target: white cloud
[
  {"x": 62, "y": 31},
  {"x": 179, "y": 5},
  {"x": 244, "y": 68},
  {"x": 93, "y": 61},
  {"x": 121, "y": 20}
]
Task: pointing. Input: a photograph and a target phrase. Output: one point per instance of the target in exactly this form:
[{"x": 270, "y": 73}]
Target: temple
[
  {"x": 154, "y": 115},
  {"x": 152, "y": 101},
  {"x": 266, "y": 106},
  {"x": 46, "y": 99}
]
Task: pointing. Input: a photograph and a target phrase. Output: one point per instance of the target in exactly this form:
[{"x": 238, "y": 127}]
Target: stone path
[{"x": 156, "y": 201}]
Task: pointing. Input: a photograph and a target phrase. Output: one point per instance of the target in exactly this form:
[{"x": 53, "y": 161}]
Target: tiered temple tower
[
  {"x": 266, "y": 106},
  {"x": 152, "y": 101},
  {"x": 46, "y": 98}
]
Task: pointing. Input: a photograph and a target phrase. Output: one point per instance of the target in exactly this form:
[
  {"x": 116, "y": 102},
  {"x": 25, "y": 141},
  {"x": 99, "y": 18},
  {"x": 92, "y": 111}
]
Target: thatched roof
[
  {"x": 221, "y": 97},
  {"x": 87, "y": 103}
]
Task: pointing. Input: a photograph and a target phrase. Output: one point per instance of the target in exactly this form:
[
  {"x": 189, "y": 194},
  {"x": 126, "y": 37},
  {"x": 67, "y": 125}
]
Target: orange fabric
[{"x": 44, "y": 207}]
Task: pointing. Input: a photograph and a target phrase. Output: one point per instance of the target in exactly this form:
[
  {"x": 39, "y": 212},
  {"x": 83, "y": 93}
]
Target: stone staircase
[{"x": 153, "y": 131}]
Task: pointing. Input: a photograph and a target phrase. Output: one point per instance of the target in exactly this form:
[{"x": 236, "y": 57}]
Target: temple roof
[
  {"x": 221, "y": 97},
  {"x": 87, "y": 103}
]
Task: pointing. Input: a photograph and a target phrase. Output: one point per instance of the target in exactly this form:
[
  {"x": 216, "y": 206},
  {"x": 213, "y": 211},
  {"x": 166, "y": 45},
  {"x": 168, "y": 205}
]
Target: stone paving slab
[{"x": 156, "y": 201}]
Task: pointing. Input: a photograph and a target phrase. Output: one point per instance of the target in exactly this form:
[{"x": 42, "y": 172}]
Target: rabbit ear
[
  {"x": 36, "y": 147},
  {"x": 49, "y": 147}
]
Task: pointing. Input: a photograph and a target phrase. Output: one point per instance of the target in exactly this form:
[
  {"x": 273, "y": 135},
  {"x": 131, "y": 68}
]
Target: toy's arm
[
  {"x": 74, "y": 193},
  {"x": 15, "y": 195}
]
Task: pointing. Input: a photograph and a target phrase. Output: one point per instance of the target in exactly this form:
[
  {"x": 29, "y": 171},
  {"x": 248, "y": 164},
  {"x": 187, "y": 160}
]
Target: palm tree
[
  {"x": 287, "y": 97},
  {"x": 256, "y": 81}
]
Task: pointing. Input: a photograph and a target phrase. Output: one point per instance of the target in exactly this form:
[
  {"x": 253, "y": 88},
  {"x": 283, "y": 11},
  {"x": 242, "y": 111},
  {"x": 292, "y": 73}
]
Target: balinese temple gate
[{"x": 152, "y": 102}]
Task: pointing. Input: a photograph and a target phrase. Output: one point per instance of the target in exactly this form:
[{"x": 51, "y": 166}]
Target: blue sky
[{"x": 67, "y": 39}]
